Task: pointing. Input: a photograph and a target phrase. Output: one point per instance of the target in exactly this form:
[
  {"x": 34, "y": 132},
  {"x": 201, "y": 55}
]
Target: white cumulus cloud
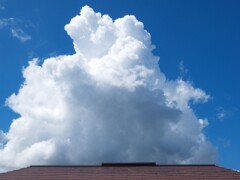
[{"x": 108, "y": 102}]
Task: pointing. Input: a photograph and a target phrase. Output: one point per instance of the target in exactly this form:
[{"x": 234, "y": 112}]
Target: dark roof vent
[{"x": 123, "y": 164}]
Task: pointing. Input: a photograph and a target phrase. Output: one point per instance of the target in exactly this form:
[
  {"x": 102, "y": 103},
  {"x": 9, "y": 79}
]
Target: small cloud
[
  {"x": 2, "y": 8},
  {"x": 6, "y": 22},
  {"x": 203, "y": 123},
  {"x": 222, "y": 113},
  {"x": 224, "y": 142},
  {"x": 13, "y": 26},
  {"x": 20, "y": 34},
  {"x": 226, "y": 113},
  {"x": 182, "y": 68}
]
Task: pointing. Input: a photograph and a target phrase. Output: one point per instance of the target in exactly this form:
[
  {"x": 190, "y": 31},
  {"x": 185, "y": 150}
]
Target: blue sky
[{"x": 198, "y": 41}]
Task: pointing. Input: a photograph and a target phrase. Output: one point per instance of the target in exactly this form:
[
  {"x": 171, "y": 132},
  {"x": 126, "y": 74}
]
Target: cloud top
[{"x": 107, "y": 102}]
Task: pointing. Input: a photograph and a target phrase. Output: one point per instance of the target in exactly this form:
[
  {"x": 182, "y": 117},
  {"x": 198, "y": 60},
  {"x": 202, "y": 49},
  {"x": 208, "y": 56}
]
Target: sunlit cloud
[{"x": 108, "y": 102}]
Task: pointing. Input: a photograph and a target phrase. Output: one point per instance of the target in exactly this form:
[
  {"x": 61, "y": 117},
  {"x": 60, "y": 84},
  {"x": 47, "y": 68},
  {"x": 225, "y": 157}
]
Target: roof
[{"x": 134, "y": 171}]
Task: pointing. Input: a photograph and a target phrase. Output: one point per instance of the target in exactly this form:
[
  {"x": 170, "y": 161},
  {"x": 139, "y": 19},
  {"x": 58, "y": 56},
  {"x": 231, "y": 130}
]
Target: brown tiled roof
[{"x": 123, "y": 171}]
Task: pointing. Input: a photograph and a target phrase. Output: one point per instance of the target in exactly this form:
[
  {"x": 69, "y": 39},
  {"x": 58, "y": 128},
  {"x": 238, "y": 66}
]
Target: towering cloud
[{"x": 107, "y": 102}]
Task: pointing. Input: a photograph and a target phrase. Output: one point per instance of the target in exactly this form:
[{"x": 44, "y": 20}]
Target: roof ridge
[{"x": 127, "y": 164}]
